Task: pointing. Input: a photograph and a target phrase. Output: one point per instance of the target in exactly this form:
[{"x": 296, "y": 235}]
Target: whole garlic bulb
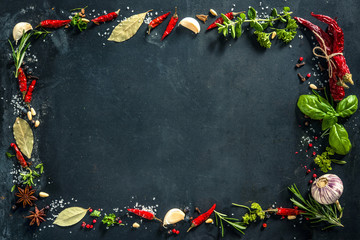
[
  {"x": 19, "y": 29},
  {"x": 327, "y": 189}
]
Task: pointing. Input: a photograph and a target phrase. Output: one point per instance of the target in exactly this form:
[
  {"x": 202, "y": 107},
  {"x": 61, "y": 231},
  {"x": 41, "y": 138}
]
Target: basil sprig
[{"x": 317, "y": 108}]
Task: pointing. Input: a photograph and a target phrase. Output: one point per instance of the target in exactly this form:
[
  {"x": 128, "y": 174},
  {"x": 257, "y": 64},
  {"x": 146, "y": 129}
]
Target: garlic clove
[
  {"x": 19, "y": 30},
  {"x": 191, "y": 24},
  {"x": 173, "y": 216}
]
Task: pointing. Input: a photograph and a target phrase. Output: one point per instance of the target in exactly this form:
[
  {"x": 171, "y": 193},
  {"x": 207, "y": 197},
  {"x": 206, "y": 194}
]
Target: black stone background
[{"x": 190, "y": 121}]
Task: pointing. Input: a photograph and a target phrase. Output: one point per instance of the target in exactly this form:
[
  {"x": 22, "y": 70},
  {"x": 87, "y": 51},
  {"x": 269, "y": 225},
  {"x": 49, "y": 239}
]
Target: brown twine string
[{"x": 328, "y": 58}]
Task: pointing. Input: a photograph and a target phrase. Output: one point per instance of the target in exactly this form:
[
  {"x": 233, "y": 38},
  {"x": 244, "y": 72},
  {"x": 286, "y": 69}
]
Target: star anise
[
  {"x": 26, "y": 196},
  {"x": 37, "y": 216}
]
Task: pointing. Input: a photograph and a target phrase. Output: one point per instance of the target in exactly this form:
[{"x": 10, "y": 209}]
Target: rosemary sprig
[
  {"x": 317, "y": 212},
  {"x": 18, "y": 54},
  {"x": 234, "y": 222}
]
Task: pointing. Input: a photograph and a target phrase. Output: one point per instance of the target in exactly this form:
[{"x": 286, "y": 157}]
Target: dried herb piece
[
  {"x": 37, "y": 216},
  {"x": 70, "y": 216},
  {"x": 202, "y": 17},
  {"x": 25, "y": 196},
  {"x": 24, "y": 136},
  {"x": 127, "y": 28}
]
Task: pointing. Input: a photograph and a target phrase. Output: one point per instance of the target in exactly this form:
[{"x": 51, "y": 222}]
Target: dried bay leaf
[
  {"x": 127, "y": 28},
  {"x": 24, "y": 136},
  {"x": 70, "y": 216}
]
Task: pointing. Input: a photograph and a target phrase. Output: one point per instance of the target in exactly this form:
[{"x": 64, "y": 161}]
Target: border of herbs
[{"x": 259, "y": 25}]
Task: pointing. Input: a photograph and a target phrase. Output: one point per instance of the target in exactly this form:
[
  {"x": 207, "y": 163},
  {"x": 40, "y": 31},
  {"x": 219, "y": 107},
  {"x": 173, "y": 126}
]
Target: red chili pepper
[
  {"x": 337, "y": 92},
  {"x": 144, "y": 214},
  {"x": 106, "y": 18},
  {"x": 154, "y": 23},
  {"x": 202, "y": 218},
  {"x": 28, "y": 95},
  {"x": 54, "y": 23},
  {"x": 19, "y": 156},
  {"x": 285, "y": 211},
  {"x": 220, "y": 20},
  {"x": 22, "y": 81},
  {"x": 171, "y": 25}
]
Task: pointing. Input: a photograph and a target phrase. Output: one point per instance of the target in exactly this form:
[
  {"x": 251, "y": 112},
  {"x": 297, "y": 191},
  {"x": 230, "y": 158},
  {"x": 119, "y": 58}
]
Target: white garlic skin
[
  {"x": 327, "y": 189},
  {"x": 19, "y": 30}
]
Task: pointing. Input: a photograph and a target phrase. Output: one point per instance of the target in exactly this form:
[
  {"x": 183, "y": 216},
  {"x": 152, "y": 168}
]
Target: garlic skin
[
  {"x": 19, "y": 30},
  {"x": 327, "y": 189}
]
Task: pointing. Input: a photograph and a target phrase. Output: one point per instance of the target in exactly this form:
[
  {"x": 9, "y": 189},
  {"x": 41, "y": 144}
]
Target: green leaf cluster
[
  {"x": 110, "y": 220},
  {"x": 78, "y": 22},
  {"x": 28, "y": 178},
  {"x": 316, "y": 212},
  {"x": 317, "y": 108},
  {"x": 221, "y": 218},
  {"x": 95, "y": 213},
  {"x": 255, "y": 211},
  {"x": 260, "y": 25},
  {"x": 324, "y": 161}
]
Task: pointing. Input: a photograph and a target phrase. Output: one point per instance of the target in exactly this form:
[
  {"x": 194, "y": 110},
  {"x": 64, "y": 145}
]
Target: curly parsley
[
  {"x": 324, "y": 161},
  {"x": 111, "y": 220}
]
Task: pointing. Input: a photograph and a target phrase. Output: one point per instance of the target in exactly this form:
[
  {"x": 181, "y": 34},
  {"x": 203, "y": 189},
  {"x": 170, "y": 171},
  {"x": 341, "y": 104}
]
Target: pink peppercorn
[
  {"x": 264, "y": 225},
  {"x": 87, "y": 225},
  {"x": 315, "y": 137},
  {"x": 119, "y": 221},
  {"x": 91, "y": 226},
  {"x": 311, "y": 181},
  {"x": 314, "y": 153},
  {"x": 90, "y": 210},
  {"x": 83, "y": 224},
  {"x": 177, "y": 232},
  {"x": 310, "y": 145},
  {"x": 308, "y": 171},
  {"x": 314, "y": 175},
  {"x": 94, "y": 221},
  {"x": 308, "y": 75},
  {"x": 174, "y": 230},
  {"x": 301, "y": 59}
]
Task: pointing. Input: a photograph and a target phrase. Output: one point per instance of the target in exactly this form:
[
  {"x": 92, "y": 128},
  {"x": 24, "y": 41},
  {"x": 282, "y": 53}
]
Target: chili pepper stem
[
  {"x": 118, "y": 11},
  {"x": 191, "y": 227},
  {"x": 157, "y": 219}
]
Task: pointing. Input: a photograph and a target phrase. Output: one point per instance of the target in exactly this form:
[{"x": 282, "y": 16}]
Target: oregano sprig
[{"x": 286, "y": 34}]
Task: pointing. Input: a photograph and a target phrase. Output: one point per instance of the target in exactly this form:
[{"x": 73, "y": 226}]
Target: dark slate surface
[{"x": 190, "y": 121}]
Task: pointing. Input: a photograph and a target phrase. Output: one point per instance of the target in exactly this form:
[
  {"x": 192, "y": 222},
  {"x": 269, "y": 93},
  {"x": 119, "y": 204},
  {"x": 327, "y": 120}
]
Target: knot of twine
[{"x": 324, "y": 55}]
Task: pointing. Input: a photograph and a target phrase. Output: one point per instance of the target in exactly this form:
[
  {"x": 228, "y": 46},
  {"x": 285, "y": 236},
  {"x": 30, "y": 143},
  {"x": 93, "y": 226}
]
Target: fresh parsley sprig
[
  {"x": 79, "y": 22},
  {"x": 255, "y": 211},
  {"x": 110, "y": 220},
  {"x": 316, "y": 212},
  {"x": 324, "y": 161},
  {"x": 235, "y": 27}
]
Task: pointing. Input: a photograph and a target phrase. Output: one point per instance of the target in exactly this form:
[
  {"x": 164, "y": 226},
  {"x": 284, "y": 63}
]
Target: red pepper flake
[
  {"x": 308, "y": 171},
  {"x": 301, "y": 59},
  {"x": 308, "y": 75},
  {"x": 264, "y": 225},
  {"x": 310, "y": 145},
  {"x": 314, "y": 175}
]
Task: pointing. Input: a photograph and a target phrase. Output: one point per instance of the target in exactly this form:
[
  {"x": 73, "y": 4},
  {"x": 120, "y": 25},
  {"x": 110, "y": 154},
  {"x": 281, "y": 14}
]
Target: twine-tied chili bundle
[{"x": 324, "y": 54}]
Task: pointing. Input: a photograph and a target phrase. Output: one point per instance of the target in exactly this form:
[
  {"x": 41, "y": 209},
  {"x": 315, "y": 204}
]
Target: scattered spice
[
  {"x": 26, "y": 196},
  {"x": 313, "y": 86},
  {"x": 135, "y": 225},
  {"x": 37, "y": 216},
  {"x": 301, "y": 77},
  {"x": 301, "y": 59},
  {"x": 298, "y": 65},
  {"x": 264, "y": 225},
  {"x": 202, "y": 17},
  {"x": 308, "y": 75}
]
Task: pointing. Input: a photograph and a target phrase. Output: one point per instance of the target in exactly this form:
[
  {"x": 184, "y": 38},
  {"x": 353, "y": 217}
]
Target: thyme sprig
[
  {"x": 220, "y": 218},
  {"x": 285, "y": 34},
  {"x": 316, "y": 212}
]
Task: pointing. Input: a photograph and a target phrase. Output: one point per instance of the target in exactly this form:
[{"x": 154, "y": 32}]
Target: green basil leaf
[
  {"x": 328, "y": 121},
  {"x": 252, "y": 13},
  {"x": 286, "y": 9},
  {"x": 258, "y": 26},
  {"x": 274, "y": 12},
  {"x": 339, "y": 139},
  {"x": 312, "y": 107},
  {"x": 233, "y": 33},
  {"x": 243, "y": 16},
  {"x": 347, "y": 106}
]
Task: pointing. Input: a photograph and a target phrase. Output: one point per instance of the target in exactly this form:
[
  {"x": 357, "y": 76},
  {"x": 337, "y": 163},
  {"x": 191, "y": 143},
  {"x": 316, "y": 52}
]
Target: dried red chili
[
  {"x": 202, "y": 218},
  {"x": 19, "y": 156},
  {"x": 106, "y": 18},
  {"x": 220, "y": 20},
  {"x": 171, "y": 25},
  {"x": 154, "y": 23},
  {"x": 28, "y": 95},
  {"x": 54, "y": 23},
  {"x": 144, "y": 214},
  {"x": 285, "y": 211},
  {"x": 22, "y": 81}
]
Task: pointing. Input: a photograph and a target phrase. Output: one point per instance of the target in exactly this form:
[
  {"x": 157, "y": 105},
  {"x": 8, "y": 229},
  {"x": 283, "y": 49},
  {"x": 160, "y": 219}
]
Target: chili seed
[
  {"x": 308, "y": 75},
  {"x": 29, "y": 115},
  {"x": 314, "y": 175},
  {"x": 33, "y": 112},
  {"x": 213, "y": 12},
  {"x": 37, "y": 123},
  {"x": 186, "y": 209},
  {"x": 264, "y": 225}
]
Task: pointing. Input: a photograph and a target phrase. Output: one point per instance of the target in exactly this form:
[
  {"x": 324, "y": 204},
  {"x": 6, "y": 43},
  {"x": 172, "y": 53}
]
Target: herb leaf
[
  {"x": 328, "y": 121},
  {"x": 347, "y": 106},
  {"x": 312, "y": 107},
  {"x": 252, "y": 13},
  {"x": 339, "y": 139}
]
